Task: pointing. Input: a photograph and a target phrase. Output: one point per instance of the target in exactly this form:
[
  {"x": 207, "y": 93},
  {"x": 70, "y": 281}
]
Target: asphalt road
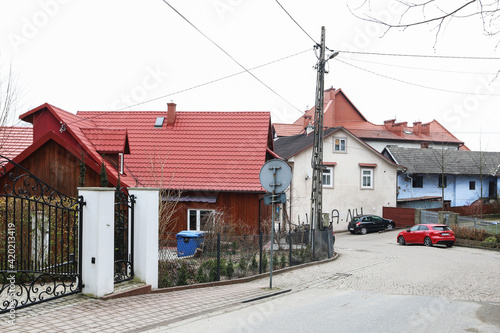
[{"x": 375, "y": 285}]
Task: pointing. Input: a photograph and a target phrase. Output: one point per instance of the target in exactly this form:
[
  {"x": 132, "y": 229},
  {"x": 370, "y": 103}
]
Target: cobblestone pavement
[{"x": 372, "y": 262}]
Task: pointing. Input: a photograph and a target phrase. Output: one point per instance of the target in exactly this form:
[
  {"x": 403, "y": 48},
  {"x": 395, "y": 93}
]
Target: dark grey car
[{"x": 368, "y": 223}]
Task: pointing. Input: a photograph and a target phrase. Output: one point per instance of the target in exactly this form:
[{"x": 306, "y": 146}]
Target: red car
[{"x": 427, "y": 234}]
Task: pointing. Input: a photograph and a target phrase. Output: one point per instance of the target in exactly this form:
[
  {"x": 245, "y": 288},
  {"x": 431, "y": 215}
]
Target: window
[
  {"x": 418, "y": 181},
  {"x": 120, "y": 157},
  {"x": 339, "y": 145},
  {"x": 328, "y": 177},
  {"x": 423, "y": 227},
  {"x": 198, "y": 219},
  {"x": 366, "y": 178},
  {"x": 442, "y": 182},
  {"x": 472, "y": 185}
]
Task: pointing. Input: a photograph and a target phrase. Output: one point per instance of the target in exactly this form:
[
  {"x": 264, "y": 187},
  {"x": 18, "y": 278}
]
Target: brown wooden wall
[
  {"x": 402, "y": 217},
  {"x": 241, "y": 209},
  {"x": 57, "y": 167}
]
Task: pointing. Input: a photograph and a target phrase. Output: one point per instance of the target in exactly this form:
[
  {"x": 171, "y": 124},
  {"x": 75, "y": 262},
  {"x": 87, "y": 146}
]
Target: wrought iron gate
[
  {"x": 124, "y": 235},
  {"x": 40, "y": 247}
]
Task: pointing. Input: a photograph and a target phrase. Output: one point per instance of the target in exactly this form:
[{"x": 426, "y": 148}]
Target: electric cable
[{"x": 230, "y": 56}]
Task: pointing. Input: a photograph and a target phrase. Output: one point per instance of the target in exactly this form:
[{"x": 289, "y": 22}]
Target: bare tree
[
  {"x": 436, "y": 13},
  {"x": 9, "y": 103},
  {"x": 442, "y": 159}
]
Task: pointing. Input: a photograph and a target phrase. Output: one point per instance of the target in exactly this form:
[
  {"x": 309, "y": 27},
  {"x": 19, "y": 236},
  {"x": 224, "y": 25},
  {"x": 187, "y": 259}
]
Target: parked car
[
  {"x": 427, "y": 234},
  {"x": 367, "y": 223}
]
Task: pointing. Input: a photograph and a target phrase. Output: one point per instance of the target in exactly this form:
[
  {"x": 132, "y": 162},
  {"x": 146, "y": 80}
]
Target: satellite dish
[{"x": 275, "y": 175}]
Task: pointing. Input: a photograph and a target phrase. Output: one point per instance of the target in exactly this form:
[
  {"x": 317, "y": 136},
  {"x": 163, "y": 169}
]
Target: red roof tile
[
  {"x": 14, "y": 140},
  {"x": 108, "y": 140},
  {"x": 212, "y": 151}
]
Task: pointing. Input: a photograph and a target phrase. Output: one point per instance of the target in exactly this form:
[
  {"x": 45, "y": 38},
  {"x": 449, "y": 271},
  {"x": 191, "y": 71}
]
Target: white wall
[{"x": 346, "y": 192}]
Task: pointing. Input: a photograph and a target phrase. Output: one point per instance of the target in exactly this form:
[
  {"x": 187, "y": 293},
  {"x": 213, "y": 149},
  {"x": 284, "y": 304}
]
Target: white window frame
[
  {"x": 121, "y": 161},
  {"x": 198, "y": 218},
  {"x": 330, "y": 184},
  {"x": 370, "y": 177},
  {"x": 340, "y": 150}
]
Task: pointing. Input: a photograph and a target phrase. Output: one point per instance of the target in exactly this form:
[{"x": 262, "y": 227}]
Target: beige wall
[{"x": 346, "y": 192}]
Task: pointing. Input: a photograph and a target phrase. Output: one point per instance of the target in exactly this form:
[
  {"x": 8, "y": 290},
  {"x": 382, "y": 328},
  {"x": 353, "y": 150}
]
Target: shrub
[
  {"x": 242, "y": 264},
  {"x": 201, "y": 277},
  {"x": 182, "y": 277},
  {"x": 276, "y": 261},
  {"x": 229, "y": 270},
  {"x": 254, "y": 265},
  {"x": 283, "y": 260},
  {"x": 264, "y": 262}
]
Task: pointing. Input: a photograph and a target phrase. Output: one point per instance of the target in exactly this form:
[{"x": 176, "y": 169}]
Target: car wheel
[
  {"x": 363, "y": 231},
  {"x": 401, "y": 240},
  {"x": 449, "y": 245},
  {"x": 427, "y": 241},
  {"x": 390, "y": 226}
]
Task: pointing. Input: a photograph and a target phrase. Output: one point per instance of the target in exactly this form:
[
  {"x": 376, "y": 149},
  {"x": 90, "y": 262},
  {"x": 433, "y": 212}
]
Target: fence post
[
  {"x": 290, "y": 247},
  {"x": 418, "y": 216},
  {"x": 260, "y": 253},
  {"x": 145, "y": 231},
  {"x": 98, "y": 240},
  {"x": 218, "y": 258}
]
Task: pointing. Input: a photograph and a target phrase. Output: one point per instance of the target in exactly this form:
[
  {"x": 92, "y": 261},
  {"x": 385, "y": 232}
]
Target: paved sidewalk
[{"x": 130, "y": 314}]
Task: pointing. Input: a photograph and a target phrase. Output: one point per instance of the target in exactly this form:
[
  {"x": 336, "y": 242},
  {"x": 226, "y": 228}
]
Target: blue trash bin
[{"x": 188, "y": 242}]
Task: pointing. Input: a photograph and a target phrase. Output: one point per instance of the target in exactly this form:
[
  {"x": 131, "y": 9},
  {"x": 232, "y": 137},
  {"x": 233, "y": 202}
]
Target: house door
[{"x": 493, "y": 190}]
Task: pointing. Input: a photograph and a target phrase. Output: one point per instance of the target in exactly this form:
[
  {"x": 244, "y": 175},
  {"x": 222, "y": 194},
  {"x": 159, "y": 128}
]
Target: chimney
[
  {"x": 171, "y": 113},
  {"x": 388, "y": 124},
  {"x": 417, "y": 127},
  {"x": 307, "y": 120}
]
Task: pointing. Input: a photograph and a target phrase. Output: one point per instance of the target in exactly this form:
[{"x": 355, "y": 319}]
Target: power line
[
  {"x": 231, "y": 57},
  {"x": 415, "y": 84},
  {"x": 420, "y": 55},
  {"x": 315, "y": 43},
  {"x": 196, "y": 86},
  {"x": 418, "y": 68}
]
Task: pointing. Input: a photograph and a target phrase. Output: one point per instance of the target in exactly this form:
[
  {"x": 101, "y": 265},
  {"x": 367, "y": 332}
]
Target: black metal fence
[
  {"x": 216, "y": 257},
  {"x": 39, "y": 243}
]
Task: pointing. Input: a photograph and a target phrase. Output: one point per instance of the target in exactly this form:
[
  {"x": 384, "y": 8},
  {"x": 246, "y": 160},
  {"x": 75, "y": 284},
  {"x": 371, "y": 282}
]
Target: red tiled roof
[
  {"x": 340, "y": 111},
  {"x": 108, "y": 140},
  {"x": 14, "y": 140},
  {"x": 288, "y": 129},
  {"x": 210, "y": 151}
]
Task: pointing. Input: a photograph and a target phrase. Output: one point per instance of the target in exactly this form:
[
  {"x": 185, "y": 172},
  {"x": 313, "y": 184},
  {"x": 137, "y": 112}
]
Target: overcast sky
[{"x": 110, "y": 55}]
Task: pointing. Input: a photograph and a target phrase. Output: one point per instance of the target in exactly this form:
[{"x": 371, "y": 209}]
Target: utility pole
[{"x": 317, "y": 154}]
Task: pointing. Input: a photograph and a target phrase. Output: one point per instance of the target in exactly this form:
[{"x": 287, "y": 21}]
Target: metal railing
[{"x": 215, "y": 257}]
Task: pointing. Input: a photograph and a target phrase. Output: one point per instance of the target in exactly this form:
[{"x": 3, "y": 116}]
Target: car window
[
  {"x": 368, "y": 218},
  {"x": 441, "y": 227},
  {"x": 414, "y": 228},
  {"x": 376, "y": 218},
  {"x": 423, "y": 227},
  {"x": 356, "y": 219}
]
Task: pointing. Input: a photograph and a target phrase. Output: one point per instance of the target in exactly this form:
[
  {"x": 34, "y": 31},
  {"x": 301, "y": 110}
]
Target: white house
[{"x": 357, "y": 177}]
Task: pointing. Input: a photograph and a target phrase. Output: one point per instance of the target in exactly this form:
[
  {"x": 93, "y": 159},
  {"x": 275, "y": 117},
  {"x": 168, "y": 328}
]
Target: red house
[
  {"x": 339, "y": 110},
  {"x": 208, "y": 161}
]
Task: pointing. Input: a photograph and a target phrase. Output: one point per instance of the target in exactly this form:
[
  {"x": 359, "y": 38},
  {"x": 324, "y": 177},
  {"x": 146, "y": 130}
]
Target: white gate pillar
[
  {"x": 146, "y": 214},
  {"x": 98, "y": 240}
]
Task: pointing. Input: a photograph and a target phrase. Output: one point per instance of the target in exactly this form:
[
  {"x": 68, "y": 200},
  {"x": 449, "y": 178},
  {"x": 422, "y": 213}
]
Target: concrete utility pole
[{"x": 317, "y": 154}]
